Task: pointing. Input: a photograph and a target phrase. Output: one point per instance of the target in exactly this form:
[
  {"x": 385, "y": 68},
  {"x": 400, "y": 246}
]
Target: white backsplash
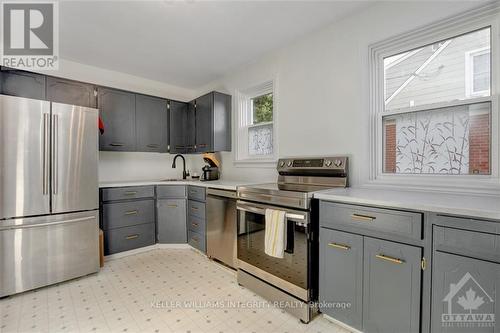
[{"x": 127, "y": 166}]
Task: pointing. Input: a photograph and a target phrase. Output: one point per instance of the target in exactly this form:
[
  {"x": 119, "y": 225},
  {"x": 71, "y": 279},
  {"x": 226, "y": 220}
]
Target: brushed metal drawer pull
[
  {"x": 116, "y": 144},
  {"x": 172, "y": 206},
  {"x": 153, "y": 145},
  {"x": 195, "y": 239},
  {"x": 339, "y": 246},
  {"x": 132, "y": 212},
  {"x": 194, "y": 224},
  {"x": 130, "y": 193},
  {"x": 131, "y": 237},
  {"x": 364, "y": 218},
  {"x": 194, "y": 208},
  {"x": 390, "y": 259}
]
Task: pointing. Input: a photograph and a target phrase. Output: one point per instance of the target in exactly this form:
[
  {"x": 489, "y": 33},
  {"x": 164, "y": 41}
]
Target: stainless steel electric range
[{"x": 290, "y": 282}]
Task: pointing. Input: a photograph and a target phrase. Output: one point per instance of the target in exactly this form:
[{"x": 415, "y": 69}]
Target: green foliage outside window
[{"x": 262, "y": 108}]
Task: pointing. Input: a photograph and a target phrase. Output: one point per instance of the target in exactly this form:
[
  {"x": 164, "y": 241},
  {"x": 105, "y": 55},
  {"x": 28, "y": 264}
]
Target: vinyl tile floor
[{"x": 162, "y": 290}]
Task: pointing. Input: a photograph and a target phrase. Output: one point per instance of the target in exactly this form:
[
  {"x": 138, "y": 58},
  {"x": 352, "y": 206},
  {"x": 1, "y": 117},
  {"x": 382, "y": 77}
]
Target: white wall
[
  {"x": 322, "y": 84},
  {"x": 121, "y": 166}
]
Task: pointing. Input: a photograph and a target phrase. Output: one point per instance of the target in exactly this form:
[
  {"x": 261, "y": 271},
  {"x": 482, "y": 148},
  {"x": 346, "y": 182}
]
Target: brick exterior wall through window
[
  {"x": 479, "y": 144},
  {"x": 390, "y": 147}
]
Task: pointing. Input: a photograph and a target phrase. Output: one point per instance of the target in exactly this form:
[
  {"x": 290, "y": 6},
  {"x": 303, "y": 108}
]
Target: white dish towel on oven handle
[{"x": 275, "y": 233}]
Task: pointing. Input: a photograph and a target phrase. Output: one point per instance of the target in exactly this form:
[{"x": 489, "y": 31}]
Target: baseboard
[
  {"x": 146, "y": 249},
  {"x": 173, "y": 246},
  {"x": 130, "y": 252},
  {"x": 341, "y": 324}
]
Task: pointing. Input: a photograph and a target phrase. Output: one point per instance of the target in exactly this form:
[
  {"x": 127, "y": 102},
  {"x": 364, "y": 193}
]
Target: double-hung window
[
  {"x": 256, "y": 124},
  {"x": 434, "y": 111}
]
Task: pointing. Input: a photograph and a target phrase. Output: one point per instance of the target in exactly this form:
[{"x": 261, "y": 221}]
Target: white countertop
[
  {"x": 467, "y": 205},
  {"x": 219, "y": 184}
]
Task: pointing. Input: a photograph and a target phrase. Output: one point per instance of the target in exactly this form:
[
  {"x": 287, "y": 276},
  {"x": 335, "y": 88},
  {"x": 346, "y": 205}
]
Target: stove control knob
[
  {"x": 328, "y": 163},
  {"x": 282, "y": 164},
  {"x": 289, "y": 164},
  {"x": 338, "y": 163}
]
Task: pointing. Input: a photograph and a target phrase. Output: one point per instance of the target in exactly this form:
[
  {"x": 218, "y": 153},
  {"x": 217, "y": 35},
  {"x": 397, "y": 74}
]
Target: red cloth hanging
[{"x": 101, "y": 126}]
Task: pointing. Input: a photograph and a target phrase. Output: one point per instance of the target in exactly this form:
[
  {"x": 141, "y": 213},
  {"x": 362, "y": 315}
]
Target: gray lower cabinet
[
  {"x": 23, "y": 84},
  {"x": 391, "y": 287},
  {"x": 341, "y": 276},
  {"x": 129, "y": 238},
  {"x": 197, "y": 240},
  {"x": 151, "y": 124},
  {"x": 117, "y": 110},
  {"x": 71, "y": 92},
  {"x": 464, "y": 294},
  {"x": 171, "y": 216}
]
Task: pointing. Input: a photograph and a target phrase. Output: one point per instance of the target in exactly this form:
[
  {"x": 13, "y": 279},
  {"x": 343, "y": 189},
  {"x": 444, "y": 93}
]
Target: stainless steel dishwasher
[{"x": 221, "y": 226}]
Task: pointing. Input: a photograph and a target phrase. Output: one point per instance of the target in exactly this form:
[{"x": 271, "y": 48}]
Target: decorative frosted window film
[
  {"x": 451, "y": 140},
  {"x": 439, "y": 72},
  {"x": 260, "y": 140}
]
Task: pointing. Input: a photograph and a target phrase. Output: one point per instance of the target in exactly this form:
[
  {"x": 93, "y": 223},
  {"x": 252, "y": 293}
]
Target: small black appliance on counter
[{"x": 211, "y": 170}]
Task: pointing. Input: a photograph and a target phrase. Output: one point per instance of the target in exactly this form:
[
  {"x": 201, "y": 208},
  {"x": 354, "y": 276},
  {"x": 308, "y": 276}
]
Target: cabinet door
[
  {"x": 151, "y": 123},
  {"x": 190, "y": 133},
  {"x": 117, "y": 110},
  {"x": 341, "y": 276},
  {"x": 391, "y": 294},
  {"x": 177, "y": 127},
  {"x": 172, "y": 221},
  {"x": 204, "y": 123},
  {"x": 22, "y": 84},
  {"x": 464, "y": 294},
  {"x": 71, "y": 92}
]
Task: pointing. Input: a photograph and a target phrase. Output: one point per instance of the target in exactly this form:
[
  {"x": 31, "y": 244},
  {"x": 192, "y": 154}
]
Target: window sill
[
  {"x": 256, "y": 163},
  {"x": 467, "y": 185}
]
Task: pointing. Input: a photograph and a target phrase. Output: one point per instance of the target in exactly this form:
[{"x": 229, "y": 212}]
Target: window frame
[
  {"x": 244, "y": 121},
  {"x": 480, "y": 18}
]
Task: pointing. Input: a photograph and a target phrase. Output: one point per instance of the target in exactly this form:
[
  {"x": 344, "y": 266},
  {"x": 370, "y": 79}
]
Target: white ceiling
[{"x": 186, "y": 43}]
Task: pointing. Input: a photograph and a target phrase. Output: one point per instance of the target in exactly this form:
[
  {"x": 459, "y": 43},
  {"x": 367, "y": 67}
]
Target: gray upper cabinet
[
  {"x": 213, "y": 122},
  {"x": 22, "y": 84},
  {"x": 178, "y": 123},
  {"x": 392, "y": 286},
  {"x": 151, "y": 124},
  {"x": 190, "y": 130},
  {"x": 71, "y": 92},
  {"x": 171, "y": 228},
  {"x": 464, "y": 286},
  {"x": 341, "y": 275},
  {"x": 117, "y": 110}
]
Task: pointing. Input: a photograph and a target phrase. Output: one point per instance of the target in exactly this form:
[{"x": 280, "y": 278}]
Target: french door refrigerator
[{"x": 49, "y": 221}]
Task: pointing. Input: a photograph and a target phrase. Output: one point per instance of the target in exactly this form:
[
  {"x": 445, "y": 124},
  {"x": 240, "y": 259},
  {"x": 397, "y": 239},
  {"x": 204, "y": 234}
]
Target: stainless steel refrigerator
[{"x": 49, "y": 199}]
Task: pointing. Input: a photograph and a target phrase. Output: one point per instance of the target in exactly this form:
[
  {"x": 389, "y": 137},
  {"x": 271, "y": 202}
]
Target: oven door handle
[{"x": 296, "y": 216}]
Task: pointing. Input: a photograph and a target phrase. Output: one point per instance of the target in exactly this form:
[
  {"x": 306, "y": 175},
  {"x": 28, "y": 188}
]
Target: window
[
  {"x": 478, "y": 72},
  {"x": 256, "y": 120},
  {"x": 433, "y": 97}
]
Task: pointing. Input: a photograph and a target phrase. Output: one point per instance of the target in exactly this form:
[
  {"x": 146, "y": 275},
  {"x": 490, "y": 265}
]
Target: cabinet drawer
[
  {"x": 197, "y": 240},
  {"x": 385, "y": 221},
  {"x": 171, "y": 191},
  {"x": 124, "y": 214},
  {"x": 129, "y": 192},
  {"x": 196, "y": 224},
  {"x": 196, "y": 193},
  {"x": 474, "y": 244},
  {"x": 129, "y": 238},
  {"x": 196, "y": 209}
]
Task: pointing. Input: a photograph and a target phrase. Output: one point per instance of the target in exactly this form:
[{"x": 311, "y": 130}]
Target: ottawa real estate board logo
[
  {"x": 30, "y": 35},
  {"x": 469, "y": 306}
]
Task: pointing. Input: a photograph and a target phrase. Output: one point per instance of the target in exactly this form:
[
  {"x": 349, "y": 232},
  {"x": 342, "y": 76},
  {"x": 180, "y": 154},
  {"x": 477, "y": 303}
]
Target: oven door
[{"x": 289, "y": 273}]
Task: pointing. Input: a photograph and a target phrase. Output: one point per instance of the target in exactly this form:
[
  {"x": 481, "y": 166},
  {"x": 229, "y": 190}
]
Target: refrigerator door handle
[
  {"x": 55, "y": 136},
  {"x": 36, "y": 225},
  {"x": 45, "y": 154}
]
